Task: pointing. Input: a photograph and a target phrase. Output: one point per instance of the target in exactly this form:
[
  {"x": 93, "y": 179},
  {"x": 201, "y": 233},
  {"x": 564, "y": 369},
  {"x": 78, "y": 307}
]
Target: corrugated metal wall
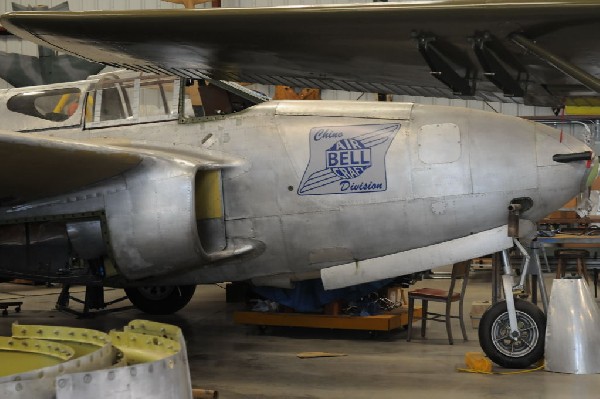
[{"x": 10, "y": 44}]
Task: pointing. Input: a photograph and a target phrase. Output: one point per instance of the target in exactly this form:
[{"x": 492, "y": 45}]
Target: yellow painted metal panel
[
  {"x": 21, "y": 362},
  {"x": 155, "y": 328},
  {"x": 208, "y": 195},
  {"x": 142, "y": 348},
  {"x": 82, "y": 340},
  {"x": 573, "y": 110},
  {"x": 33, "y": 364},
  {"x": 21, "y": 355}
]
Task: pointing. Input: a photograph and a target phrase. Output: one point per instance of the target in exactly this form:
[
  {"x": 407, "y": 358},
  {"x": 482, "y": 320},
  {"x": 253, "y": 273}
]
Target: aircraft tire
[
  {"x": 160, "y": 300},
  {"x": 500, "y": 348}
]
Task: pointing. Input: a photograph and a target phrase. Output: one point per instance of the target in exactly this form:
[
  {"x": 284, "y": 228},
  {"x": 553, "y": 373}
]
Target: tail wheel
[
  {"x": 500, "y": 347},
  {"x": 159, "y": 299}
]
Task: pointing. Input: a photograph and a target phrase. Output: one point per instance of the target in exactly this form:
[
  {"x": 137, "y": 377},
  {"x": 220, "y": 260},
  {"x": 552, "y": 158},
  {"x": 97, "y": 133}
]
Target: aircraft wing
[
  {"x": 537, "y": 52},
  {"x": 33, "y": 167}
]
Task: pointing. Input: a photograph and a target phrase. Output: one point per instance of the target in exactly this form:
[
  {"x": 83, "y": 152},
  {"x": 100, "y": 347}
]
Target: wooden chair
[{"x": 459, "y": 270}]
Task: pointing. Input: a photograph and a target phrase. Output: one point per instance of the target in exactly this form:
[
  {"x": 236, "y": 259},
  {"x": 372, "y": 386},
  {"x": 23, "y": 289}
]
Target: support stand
[
  {"x": 496, "y": 273},
  {"x": 4, "y": 306},
  {"x": 537, "y": 276},
  {"x": 94, "y": 300}
]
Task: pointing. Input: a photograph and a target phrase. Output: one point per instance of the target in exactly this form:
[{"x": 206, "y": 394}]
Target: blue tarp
[{"x": 310, "y": 296}]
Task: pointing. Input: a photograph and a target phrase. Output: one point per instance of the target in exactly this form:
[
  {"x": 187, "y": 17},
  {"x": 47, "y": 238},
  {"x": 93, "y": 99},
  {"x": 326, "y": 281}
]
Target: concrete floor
[{"x": 240, "y": 362}]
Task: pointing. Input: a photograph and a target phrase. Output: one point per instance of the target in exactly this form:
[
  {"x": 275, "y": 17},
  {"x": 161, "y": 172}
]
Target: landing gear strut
[{"x": 512, "y": 332}]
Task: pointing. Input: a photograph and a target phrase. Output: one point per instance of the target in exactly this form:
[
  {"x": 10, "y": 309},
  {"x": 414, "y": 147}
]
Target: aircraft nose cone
[
  {"x": 591, "y": 163},
  {"x": 566, "y": 168},
  {"x": 593, "y": 173}
]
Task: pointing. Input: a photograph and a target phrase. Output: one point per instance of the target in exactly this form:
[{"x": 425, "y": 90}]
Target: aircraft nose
[
  {"x": 566, "y": 167},
  {"x": 593, "y": 174},
  {"x": 591, "y": 165}
]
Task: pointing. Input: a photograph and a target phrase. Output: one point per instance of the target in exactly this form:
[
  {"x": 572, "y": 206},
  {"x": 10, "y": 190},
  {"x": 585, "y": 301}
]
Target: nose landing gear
[{"x": 512, "y": 332}]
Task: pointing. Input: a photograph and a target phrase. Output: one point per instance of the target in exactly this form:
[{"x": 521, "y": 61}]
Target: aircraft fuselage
[{"x": 283, "y": 190}]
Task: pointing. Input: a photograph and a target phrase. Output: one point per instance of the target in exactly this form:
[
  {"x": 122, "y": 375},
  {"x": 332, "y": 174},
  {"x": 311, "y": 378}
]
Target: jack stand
[
  {"x": 543, "y": 249},
  {"x": 496, "y": 277},
  {"x": 94, "y": 299},
  {"x": 537, "y": 276}
]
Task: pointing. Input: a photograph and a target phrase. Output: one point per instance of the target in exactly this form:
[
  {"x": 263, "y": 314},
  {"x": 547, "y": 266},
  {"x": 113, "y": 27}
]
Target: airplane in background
[
  {"x": 21, "y": 70},
  {"x": 118, "y": 182}
]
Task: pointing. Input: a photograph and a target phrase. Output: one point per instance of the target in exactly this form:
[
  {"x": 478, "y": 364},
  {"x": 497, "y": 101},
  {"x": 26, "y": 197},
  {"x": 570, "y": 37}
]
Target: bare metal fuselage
[{"x": 305, "y": 186}]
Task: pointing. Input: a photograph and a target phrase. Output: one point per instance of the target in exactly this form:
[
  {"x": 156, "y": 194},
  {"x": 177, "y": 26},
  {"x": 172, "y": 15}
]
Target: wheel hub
[
  {"x": 517, "y": 343},
  {"x": 156, "y": 292}
]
